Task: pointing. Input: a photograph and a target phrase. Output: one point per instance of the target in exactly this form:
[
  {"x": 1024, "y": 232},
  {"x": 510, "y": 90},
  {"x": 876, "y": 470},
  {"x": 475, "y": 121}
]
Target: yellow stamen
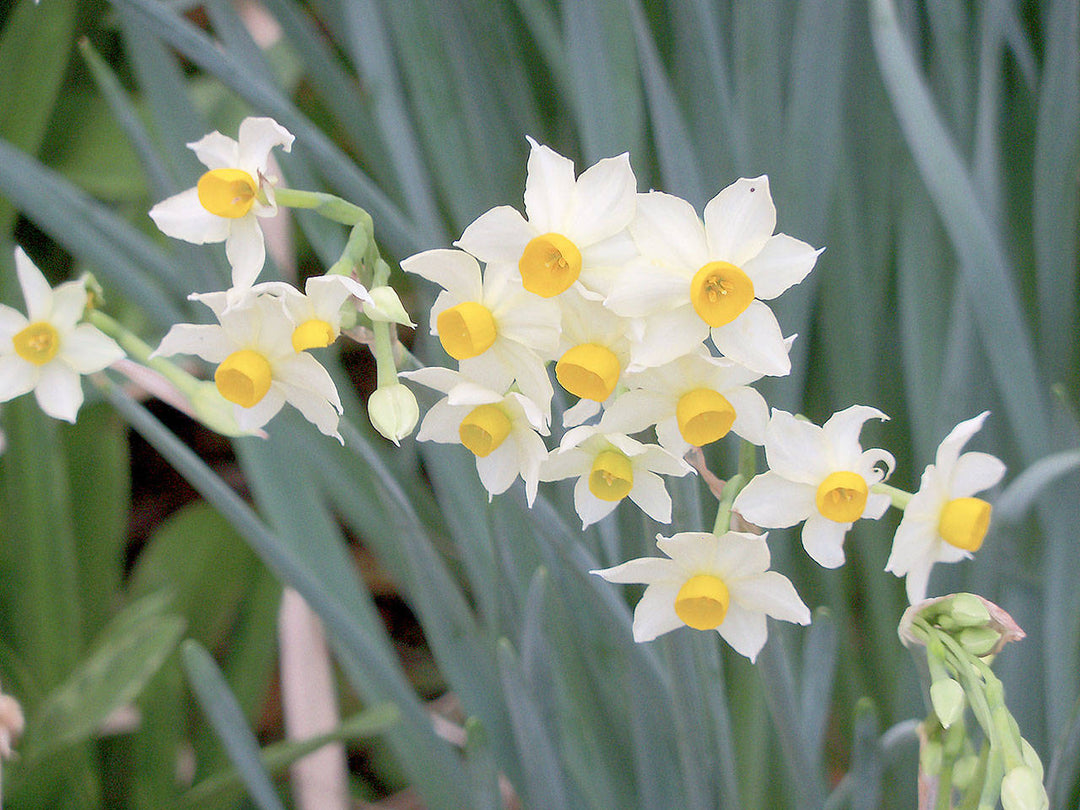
[
  {"x": 313, "y": 334},
  {"x": 611, "y": 477},
  {"x": 244, "y": 378},
  {"x": 702, "y": 602},
  {"x": 842, "y": 496},
  {"x": 720, "y": 293},
  {"x": 466, "y": 330},
  {"x": 589, "y": 371},
  {"x": 549, "y": 264},
  {"x": 37, "y": 343},
  {"x": 964, "y": 522},
  {"x": 227, "y": 192},
  {"x": 704, "y": 415},
  {"x": 484, "y": 429}
]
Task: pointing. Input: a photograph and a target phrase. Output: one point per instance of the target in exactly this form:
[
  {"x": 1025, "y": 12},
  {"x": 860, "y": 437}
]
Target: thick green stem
[
  {"x": 900, "y": 498},
  {"x": 140, "y": 351}
]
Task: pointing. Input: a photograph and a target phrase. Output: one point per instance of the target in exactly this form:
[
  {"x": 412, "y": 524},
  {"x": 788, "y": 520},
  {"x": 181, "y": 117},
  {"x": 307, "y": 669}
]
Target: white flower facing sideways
[
  {"x": 711, "y": 582},
  {"x": 612, "y": 466},
  {"x": 47, "y": 350},
  {"x": 229, "y": 198},
  {"x": 712, "y": 278},
  {"x": 574, "y": 230},
  {"x": 316, "y": 313},
  {"x": 943, "y": 521},
  {"x": 258, "y": 367},
  {"x": 503, "y": 431},
  {"x": 820, "y": 475},
  {"x": 489, "y": 323}
]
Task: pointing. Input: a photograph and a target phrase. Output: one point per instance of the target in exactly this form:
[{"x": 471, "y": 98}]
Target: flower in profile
[
  {"x": 229, "y": 198},
  {"x": 612, "y": 466},
  {"x": 47, "y": 350},
  {"x": 258, "y": 368},
  {"x": 502, "y": 430},
  {"x": 573, "y": 229},
  {"x": 711, "y": 582},
  {"x": 820, "y": 475},
  {"x": 943, "y": 521},
  {"x": 711, "y": 278},
  {"x": 317, "y": 312}
]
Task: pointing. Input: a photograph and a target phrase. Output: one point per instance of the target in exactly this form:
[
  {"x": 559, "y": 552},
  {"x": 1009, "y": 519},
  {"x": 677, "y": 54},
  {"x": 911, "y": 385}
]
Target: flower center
[
  {"x": 720, "y": 293},
  {"x": 611, "y": 477},
  {"x": 549, "y": 264},
  {"x": 466, "y": 330},
  {"x": 227, "y": 192},
  {"x": 37, "y": 343},
  {"x": 484, "y": 429},
  {"x": 244, "y": 378},
  {"x": 588, "y": 371},
  {"x": 704, "y": 415},
  {"x": 964, "y": 522},
  {"x": 702, "y": 602},
  {"x": 313, "y": 334},
  {"x": 842, "y": 496}
]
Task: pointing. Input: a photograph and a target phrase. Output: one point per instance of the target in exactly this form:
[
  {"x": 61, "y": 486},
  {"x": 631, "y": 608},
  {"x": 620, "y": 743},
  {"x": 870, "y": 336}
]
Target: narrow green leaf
[
  {"x": 866, "y": 765},
  {"x": 480, "y": 761},
  {"x": 819, "y": 665},
  {"x": 222, "y": 711},
  {"x": 124, "y": 659}
]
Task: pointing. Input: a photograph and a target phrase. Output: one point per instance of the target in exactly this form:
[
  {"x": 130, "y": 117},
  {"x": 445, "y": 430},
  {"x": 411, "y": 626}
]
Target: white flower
[
  {"x": 230, "y": 197},
  {"x": 497, "y": 331},
  {"x": 574, "y": 230},
  {"x": 712, "y": 278},
  {"x": 316, "y": 313},
  {"x": 502, "y": 430},
  {"x": 258, "y": 369},
  {"x": 820, "y": 475},
  {"x": 610, "y": 467},
  {"x": 693, "y": 401},
  {"x": 711, "y": 582},
  {"x": 943, "y": 522},
  {"x": 47, "y": 350}
]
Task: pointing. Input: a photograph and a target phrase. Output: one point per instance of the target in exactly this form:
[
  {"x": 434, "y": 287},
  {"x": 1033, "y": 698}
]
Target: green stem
[
  {"x": 140, "y": 351},
  {"x": 326, "y": 205},
  {"x": 383, "y": 349},
  {"x": 900, "y": 498},
  {"x": 734, "y": 485}
]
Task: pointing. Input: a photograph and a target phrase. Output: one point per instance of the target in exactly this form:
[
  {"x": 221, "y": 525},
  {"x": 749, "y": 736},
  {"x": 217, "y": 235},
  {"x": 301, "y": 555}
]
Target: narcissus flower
[
  {"x": 316, "y": 313},
  {"x": 47, "y": 350},
  {"x": 574, "y": 230},
  {"x": 258, "y": 368},
  {"x": 496, "y": 330},
  {"x": 610, "y": 467},
  {"x": 820, "y": 475},
  {"x": 711, "y": 582},
  {"x": 229, "y": 198},
  {"x": 712, "y": 278},
  {"x": 943, "y": 521},
  {"x": 502, "y": 430}
]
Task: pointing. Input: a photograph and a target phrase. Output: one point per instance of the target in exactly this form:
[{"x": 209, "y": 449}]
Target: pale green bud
[
  {"x": 978, "y": 641},
  {"x": 1031, "y": 758},
  {"x": 393, "y": 411},
  {"x": 964, "y": 771},
  {"x": 968, "y": 610},
  {"x": 947, "y": 697},
  {"x": 387, "y": 307},
  {"x": 1021, "y": 789}
]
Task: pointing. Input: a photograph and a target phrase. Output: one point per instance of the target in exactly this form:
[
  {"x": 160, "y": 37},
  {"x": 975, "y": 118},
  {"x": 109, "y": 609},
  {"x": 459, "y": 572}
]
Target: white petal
[
  {"x": 17, "y": 377},
  {"x": 771, "y": 593},
  {"x": 499, "y": 235},
  {"x": 68, "y": 305},
  {"x": 248, "y": 419},
  {"x": 751, "y": 414},
  {"x": 667, "y": 228},
  {"x": 604, "y": 199},
  {"x": 182, "y": 216},
  {"x": 256, "y": 137},
  {"x": 745, "y": 630},
  {"x": 645, "y": 570},
  {"x": 646, "y": 287},
  {"x": 245, "y": 250},
  {"x": 442, "y": 423},
  {"x": 300, "y": 371},
  {"x": 86, "y": 350},
  {"x": 796, "y": 449},
  {"x": 499, "y": 469},
  {"x": 950, "y": 447},
  {"x": 36, "y": 291},
  {"x": 11, "y": 323},
  {"x": 590, "y": 508},
  {"x": 876, "y": 506},
  {"x": 738, "y": 555},
  {"x": 774, "y": 502},
  {"x": 823, "y": 540},
  {"x": 754, "y": 340},
  {"x": 666, "y": 337},
  {"x": 655, "y": 612},
  {"x": 842, "y": 431},
  {"x": 782, "y": 263},
  {"x": 650, "y": 494},
  {"x": 549, "y": 186},
  {"x": 975, "y": 472},
  {"x": 203, "y": 340},
  {"x": 59, "y": 392},
  {"x": 216, "y": 151},
  {"x": 690, "y": 552},
  {"x": 739, "y": 220},
  {"x": 453, "y": 270},
  {"x": 584, "y": 410},
  {"x": 315, "y": 408},
  {"x": 913, "y": 542}
]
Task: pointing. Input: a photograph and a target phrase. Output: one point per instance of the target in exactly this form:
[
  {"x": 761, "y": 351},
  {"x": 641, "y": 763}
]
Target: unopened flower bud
[
  {"x": 1021, "y": 789},
  {"x": 964, "y": 771},
  {"x": 947, "y": 698},
  {"x": 393, "y": 411},
  {"x": 386, "y": 307},
  {"x": 1031, "y": 758},
  {"x": 978, "y": 641},
  {"x": 968, "y": 610}
]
